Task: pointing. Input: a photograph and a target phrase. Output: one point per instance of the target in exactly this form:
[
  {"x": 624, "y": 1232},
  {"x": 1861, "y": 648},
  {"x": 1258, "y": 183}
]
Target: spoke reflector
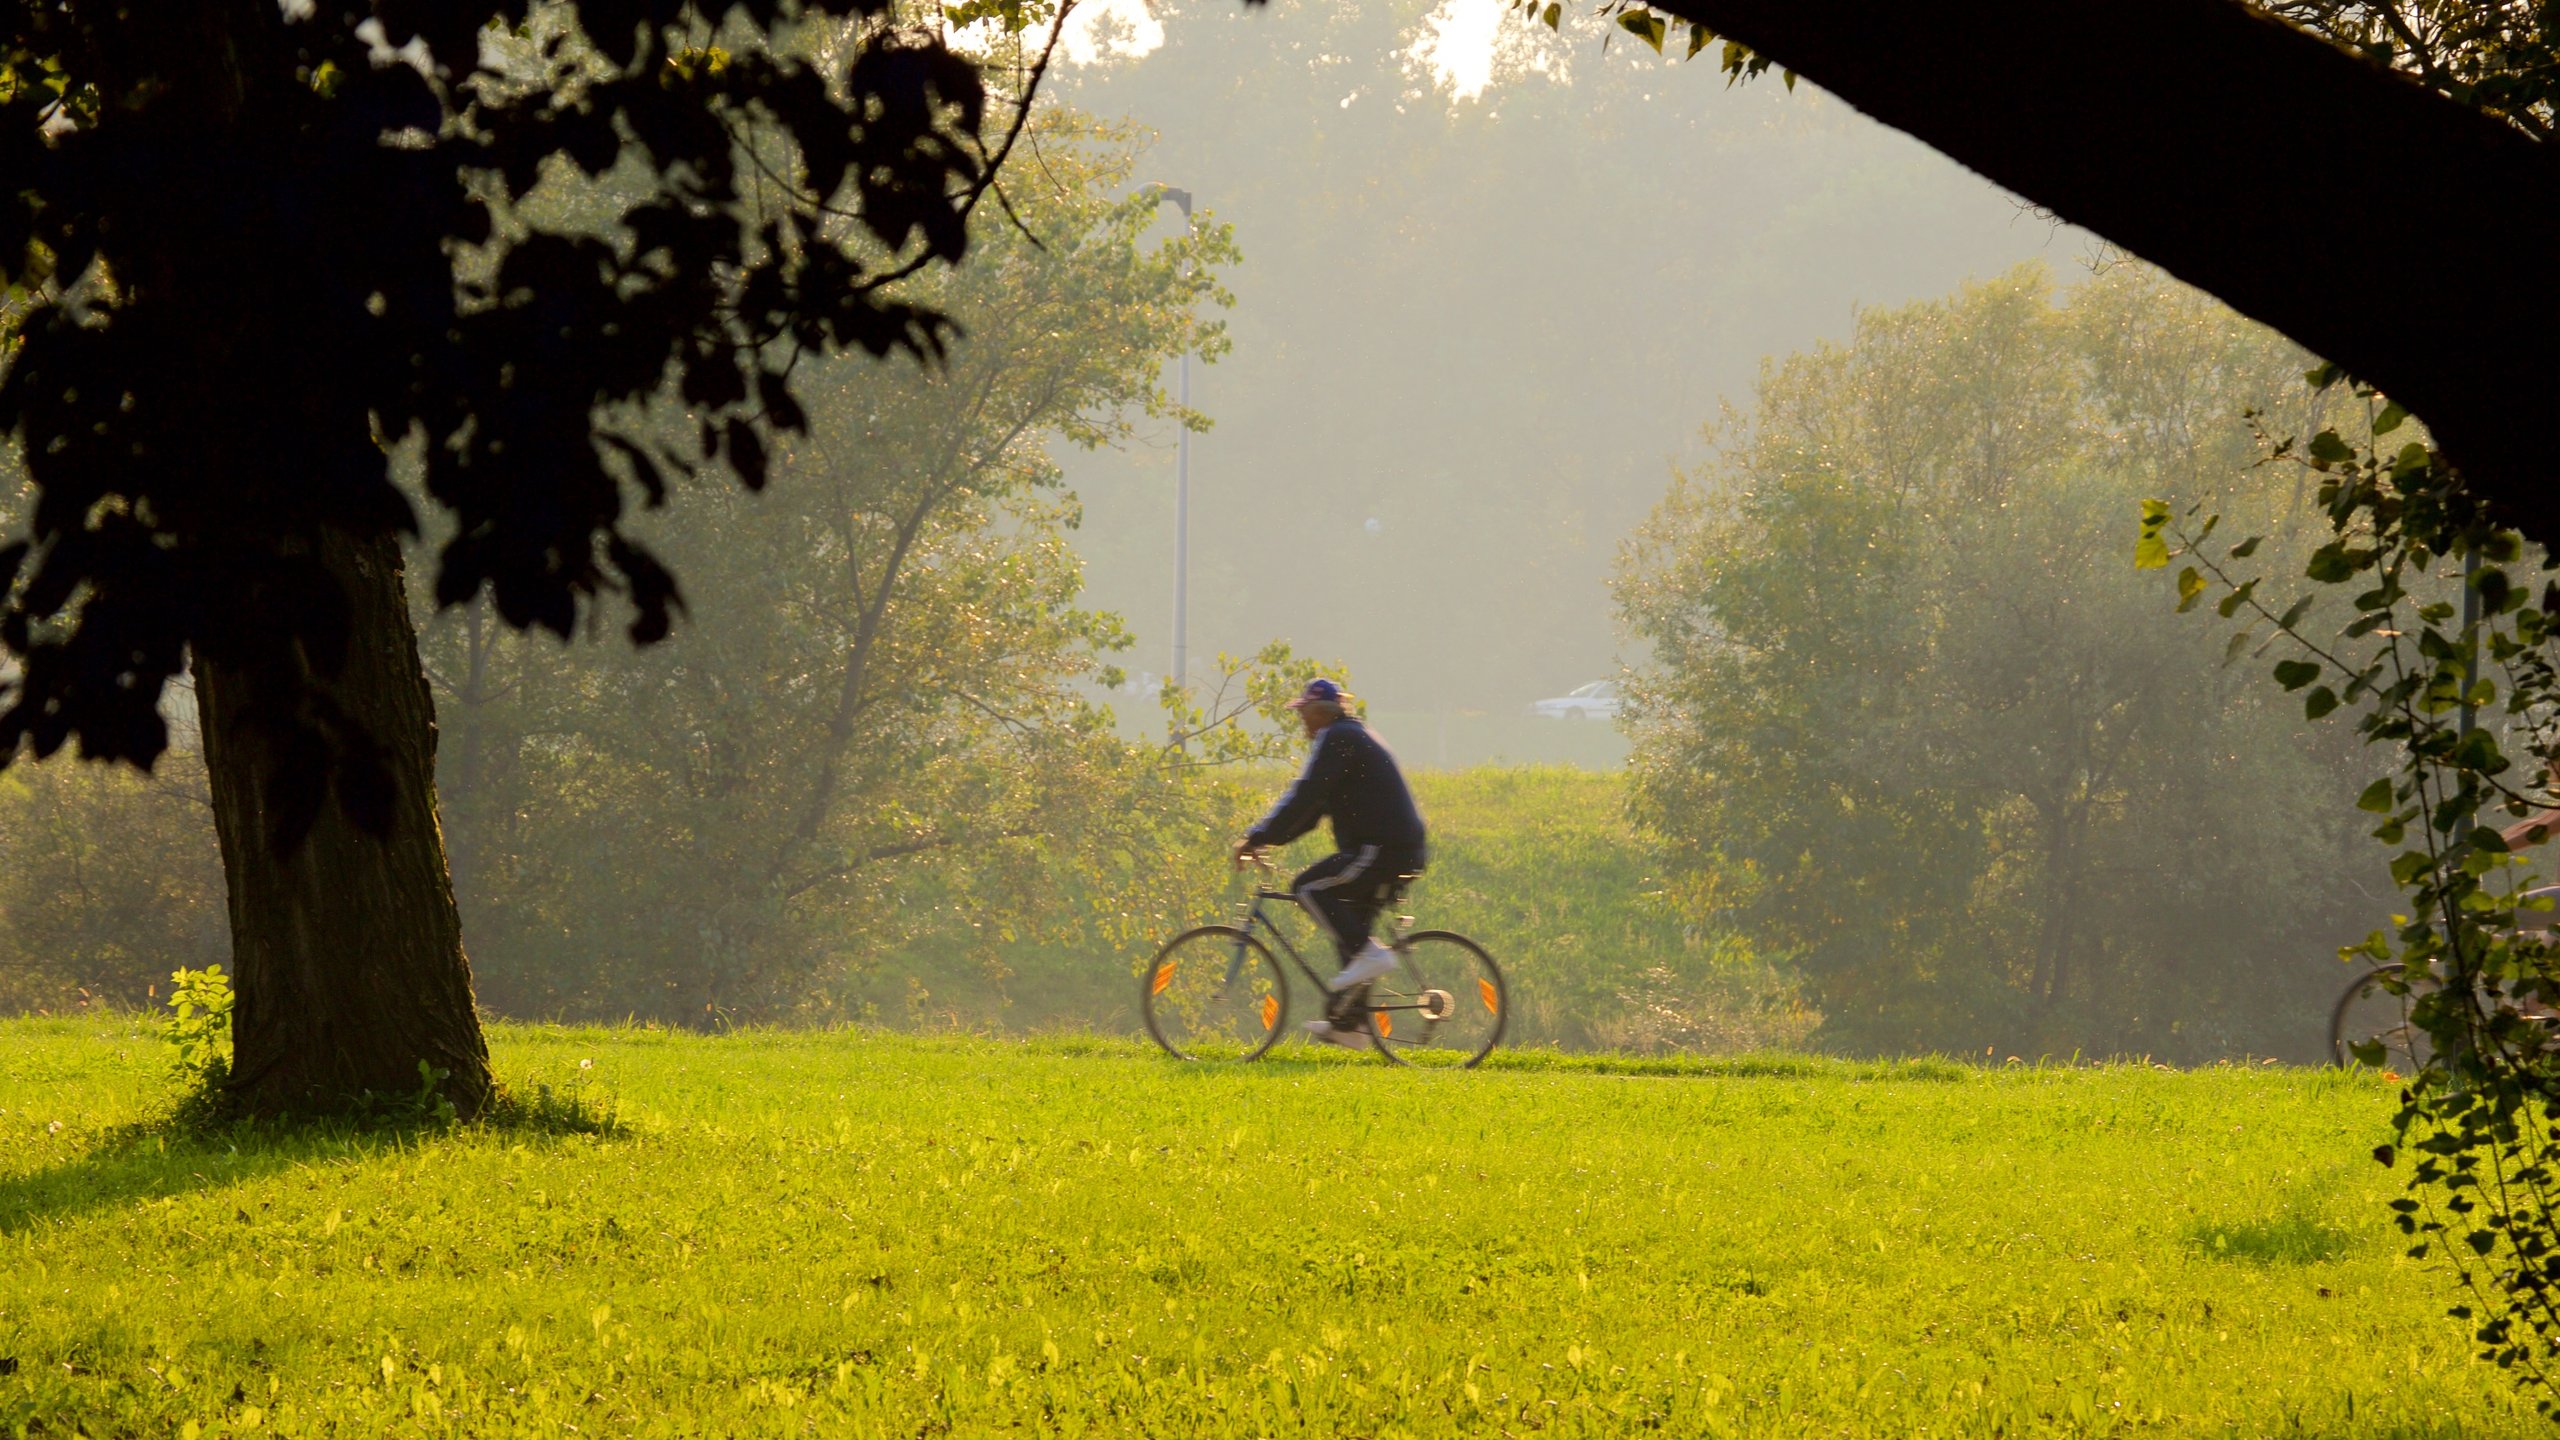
[
  {"x": 1386, "y": 1022},
  {"x": 1484, "y": 988},
  {"x": 1164, "y": 977},
  {"x": 1270, "y": 1011}
]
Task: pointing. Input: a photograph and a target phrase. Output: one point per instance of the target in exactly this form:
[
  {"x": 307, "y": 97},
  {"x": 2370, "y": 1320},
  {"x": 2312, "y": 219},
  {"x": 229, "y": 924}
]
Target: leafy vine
[{"x": 2444, "y": 656}]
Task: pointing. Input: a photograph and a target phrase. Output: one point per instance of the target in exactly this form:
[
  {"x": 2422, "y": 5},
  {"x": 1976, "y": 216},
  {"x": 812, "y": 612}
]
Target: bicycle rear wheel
[
  {"x": 1444, "y": 1006},
  {"x": 2368, "y": 1013},
  {"x": 1213, "y": 994}
]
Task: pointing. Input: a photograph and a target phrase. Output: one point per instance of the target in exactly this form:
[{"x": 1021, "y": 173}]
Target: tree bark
[
  {"x": 2400, "y": 234},
  {"x": 345, "y": 942}
]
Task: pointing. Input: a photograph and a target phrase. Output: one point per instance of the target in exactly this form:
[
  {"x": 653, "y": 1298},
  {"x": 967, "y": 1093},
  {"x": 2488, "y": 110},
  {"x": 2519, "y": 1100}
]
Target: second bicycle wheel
[
  {"x": 1444, "y": 1005},
  {"x": 1213, "y": 994},
  {"x": 2370, "y": 1014}
]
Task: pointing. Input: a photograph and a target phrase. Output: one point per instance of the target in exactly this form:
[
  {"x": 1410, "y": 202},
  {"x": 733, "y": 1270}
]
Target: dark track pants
[{"x": 1345, "y": 891}]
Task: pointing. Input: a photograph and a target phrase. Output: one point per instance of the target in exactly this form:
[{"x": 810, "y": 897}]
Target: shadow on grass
[
  {"x": 2296, "y": 1237},
  {"x": 184, "y": 1152}
]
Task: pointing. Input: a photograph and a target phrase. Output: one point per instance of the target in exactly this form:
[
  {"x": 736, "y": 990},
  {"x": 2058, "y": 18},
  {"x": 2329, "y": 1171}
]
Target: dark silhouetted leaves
[{"x": 317, "y": 259}]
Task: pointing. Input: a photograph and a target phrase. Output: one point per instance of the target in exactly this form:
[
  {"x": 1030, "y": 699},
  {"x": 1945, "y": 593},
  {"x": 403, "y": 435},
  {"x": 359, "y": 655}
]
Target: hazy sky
[{"x": 1494, "y": 283}]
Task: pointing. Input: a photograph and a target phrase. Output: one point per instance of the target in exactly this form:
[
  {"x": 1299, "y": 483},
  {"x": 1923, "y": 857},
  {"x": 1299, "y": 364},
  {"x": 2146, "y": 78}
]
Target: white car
[{"x": 1595, "y": 701}]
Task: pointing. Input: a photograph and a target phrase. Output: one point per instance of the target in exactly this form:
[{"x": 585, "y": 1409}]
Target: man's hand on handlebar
[{"x": 1248, "y": 853}]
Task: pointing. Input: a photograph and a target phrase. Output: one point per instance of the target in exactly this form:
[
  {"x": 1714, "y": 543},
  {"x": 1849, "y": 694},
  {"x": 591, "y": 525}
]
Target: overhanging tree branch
[{"x": 2242, "y": 156}]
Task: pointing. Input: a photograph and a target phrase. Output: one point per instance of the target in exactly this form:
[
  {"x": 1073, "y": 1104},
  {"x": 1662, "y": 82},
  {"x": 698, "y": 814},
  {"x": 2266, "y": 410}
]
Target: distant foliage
[
  {"x": 886, "y": 681},
  {"x": 1912, "y": 726},
  {"x": 109, "y": 880}
]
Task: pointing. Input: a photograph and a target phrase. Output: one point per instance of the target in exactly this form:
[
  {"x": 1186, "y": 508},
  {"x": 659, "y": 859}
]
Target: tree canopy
[
  {"x": 257, "y": 245},
  {"x": 1915, "y": 727}
]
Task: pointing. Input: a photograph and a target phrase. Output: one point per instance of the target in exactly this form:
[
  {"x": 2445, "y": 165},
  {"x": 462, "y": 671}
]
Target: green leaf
[
  {"x": 2155, "y": 513},
  {"x": 2232, "y": 602},
  {"x": 2293, "y": 613},
  {"x": 2496, "y": 588},
  {"x": 2327, "y": 450},
  {"x": 2239, "y": 641},
  {"x": 2246, "y": 548},
  {"x": 1699, "y": 38},
  {"x": 2190, "y": 588},
  {"x": 2319, "y": 702},
  {"x": 1554, "y": 12},
  {"x": 2329, "y": 563},
  {"x": 2150, "y": 553},
  {"x": 2409, "y": 865},
  {"x": 2390, "y": 418},
  {"x": 2376, "y": 797},
  {"x": 2294, "y": 674},
  {"x": 1645, "y": 26}
]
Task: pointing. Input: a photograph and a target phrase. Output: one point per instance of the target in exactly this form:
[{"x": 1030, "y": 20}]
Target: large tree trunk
[
  {"x": 346, "y": 946},
  {"x": 2385, "y": 227}
]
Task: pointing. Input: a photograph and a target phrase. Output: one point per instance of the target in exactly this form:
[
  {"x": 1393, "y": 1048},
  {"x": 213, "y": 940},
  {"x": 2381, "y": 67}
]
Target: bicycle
[
  {"x": 1215, "y": 993},
  {"x": 2369, "y": 1013}
]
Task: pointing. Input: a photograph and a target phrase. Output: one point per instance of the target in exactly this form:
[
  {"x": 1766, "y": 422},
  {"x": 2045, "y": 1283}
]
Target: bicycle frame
[{"x": 1254, "y": 922}]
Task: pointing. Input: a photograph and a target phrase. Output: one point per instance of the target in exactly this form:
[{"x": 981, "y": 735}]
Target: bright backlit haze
[{"x": 1495, "y": 282}]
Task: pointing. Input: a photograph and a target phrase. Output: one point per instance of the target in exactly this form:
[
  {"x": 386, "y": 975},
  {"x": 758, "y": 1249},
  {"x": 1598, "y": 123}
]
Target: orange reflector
[
  {"x": 1164, "y": 977},
  {"x": 1386, "y": 1023},
  {"x": 1270, "y": 1011},
  {"x": 1484, "y": 988}
]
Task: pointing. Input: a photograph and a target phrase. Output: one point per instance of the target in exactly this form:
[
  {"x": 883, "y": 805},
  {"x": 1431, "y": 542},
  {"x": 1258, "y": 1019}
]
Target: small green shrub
[{"x": 199, "y": 1025}]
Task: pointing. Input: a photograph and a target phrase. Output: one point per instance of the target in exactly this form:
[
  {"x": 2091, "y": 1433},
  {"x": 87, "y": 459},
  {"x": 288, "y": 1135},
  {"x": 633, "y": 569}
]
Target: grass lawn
[{"x": 832, "y": 1234}]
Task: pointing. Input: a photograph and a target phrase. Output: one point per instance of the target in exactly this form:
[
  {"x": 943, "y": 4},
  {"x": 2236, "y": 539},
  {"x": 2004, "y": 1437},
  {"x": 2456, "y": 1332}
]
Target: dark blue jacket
[{"x": 1352, "y": 779}]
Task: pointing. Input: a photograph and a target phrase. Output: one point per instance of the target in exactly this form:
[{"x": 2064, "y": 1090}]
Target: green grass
[{"x": 836, "y": 1234}]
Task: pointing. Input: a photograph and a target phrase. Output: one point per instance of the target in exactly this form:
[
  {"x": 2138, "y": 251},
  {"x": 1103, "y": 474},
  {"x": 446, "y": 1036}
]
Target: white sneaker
[
  {"x": 1373, "y": 961},
  {"x": 1348, "y": 1039}
]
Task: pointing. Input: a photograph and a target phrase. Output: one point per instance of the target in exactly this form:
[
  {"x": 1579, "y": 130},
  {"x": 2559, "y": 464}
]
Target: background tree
[
  {"x": 1914, "y": 724},
  {"x": 261, "y": 243},
  {"x": 886, "y": 675}
]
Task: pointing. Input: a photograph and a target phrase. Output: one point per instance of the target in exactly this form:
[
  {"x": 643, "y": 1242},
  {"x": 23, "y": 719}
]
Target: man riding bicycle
[{"x": 1351, "y": 779}]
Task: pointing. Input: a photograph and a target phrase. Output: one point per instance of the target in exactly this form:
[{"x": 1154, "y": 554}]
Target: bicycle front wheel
[
  {"x": 1213, "y": 994},
  {"x": 1443, "y": 1006},
  {"x": 2370, "y": 1014}
]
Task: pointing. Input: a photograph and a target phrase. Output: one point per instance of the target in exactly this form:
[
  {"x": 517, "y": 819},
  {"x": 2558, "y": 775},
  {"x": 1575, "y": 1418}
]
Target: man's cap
[{"x": 1319, "y": 691}]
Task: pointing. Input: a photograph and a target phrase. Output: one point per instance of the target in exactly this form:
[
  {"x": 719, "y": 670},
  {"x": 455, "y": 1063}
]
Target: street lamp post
[{"x": 1181, "y": 199}]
